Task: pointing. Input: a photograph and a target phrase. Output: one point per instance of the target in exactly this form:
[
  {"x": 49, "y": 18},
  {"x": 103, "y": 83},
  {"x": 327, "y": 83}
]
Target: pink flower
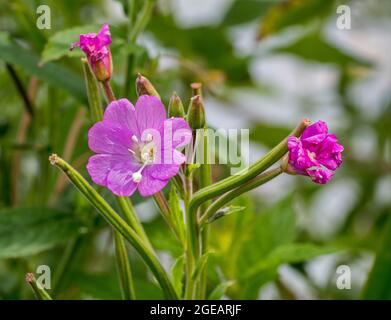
[
  {"x": 96, "y": 48},
  {"x": 136, "y": 147},
  {"x": 316, "y": 153}
]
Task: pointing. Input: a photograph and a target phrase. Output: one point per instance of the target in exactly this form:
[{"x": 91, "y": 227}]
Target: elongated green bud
[
  {"x": 118, "y": 224},
  {"x": 196, "y": 113},
  {"x": 196, "y": 89},
  {"x": 94, "y": 101},
  {"x": 175, "y": 107},
  {"x": 39, "y": 292},
  {"x": 144, "y": 86}
]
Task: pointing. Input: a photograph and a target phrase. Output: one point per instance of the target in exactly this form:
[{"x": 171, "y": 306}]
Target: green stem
[
  {"x": 164, "y": 209},
  {"x": 108, "y": 91},
  {"x": 227, "y": 197},
  {"x": 118, "y": 224},
  {"x": 205, "y": 180},
  {"x": 140, "y": 23},
  {"x": 234, "y": 181},
  {"x": 94, "y": 100},
  {"x": 66, "y": 260},
  {"x": 124, "y": 270},
  {"x": 39, "y": 292},
  {"x": 131, "y": 218}
]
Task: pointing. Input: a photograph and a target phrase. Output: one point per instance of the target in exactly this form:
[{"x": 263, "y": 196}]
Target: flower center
[
  {"x": 144, "y": 153},
  {"x": 312, "y": 155}
]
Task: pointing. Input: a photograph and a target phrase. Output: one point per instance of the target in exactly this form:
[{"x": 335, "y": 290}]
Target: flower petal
[
  {"x": 99, "y": 166},
  {"x": 122, "y": 112},
  {"x": 150, "y": 185},
  {"x": 104, "y": 35},
  {"x": 329, "y": 152},
  {"x": 320, "y": 175},
  {"x": 178, "y": 130},
  {"x": 120, "y": 180},
  {"x": 163, "y": 171},
  {"x": 108, "y": 137},
  {"x": 314, "y": 134},
  {"x": 150, "y": 113},
  {"x": 299, "y": 157}
]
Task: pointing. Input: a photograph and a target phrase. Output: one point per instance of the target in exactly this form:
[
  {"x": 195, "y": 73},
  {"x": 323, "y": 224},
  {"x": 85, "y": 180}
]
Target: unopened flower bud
[
  {"x": 196, "y": 89},
  {"x": 175, "y": 107},
  {"x": 196, "y": 113},
  {"x": 144, "y": 86}
]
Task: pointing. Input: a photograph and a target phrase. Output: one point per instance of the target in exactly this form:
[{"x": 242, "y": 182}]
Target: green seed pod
[
  {"x": 196, "y": 113},
  {"x": 175, "y": 107},
  {"x": 144, "y": 86}
]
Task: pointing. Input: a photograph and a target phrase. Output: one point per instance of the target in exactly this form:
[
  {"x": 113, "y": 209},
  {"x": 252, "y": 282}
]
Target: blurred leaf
[
  {"x": 56, "y": 75},
  {"x": 289, "y": 253},
  {"x": 313, "y": 47},
  {"x": 58, "y": 45},
  {"x": 293, "y": 12},
  {"x": 215, "y": 49},
  {"x": 200, "y": 266},
  {"x": 27, "y": 231},
  {"x": 220, "y": 290},
  {"x": 268, "y": 135},
  {"x": 177, "y": 214},
  {"x": 177, "y": 274},
  {"x": 378, "y": 286},
  {"x": 243, "y": 11}
]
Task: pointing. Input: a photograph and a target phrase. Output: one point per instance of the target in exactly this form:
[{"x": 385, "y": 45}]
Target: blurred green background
[{"x": 264, "y": 65}]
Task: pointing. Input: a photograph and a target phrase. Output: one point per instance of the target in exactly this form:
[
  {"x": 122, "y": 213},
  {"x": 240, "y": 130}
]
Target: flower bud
[
  {"x": 96, "y": 48},
  {"x": 175, "y": 107},
  {"x": 196, "y": 113},
  {"x": 196, "y": 89},
  {"x": 144, "y": 86}
]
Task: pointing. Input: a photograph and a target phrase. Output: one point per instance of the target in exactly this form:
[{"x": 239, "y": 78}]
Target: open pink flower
[
  {"x": 136, "y": 147},
  {"x": 316, "y": 153},
  {"x": 96, "y": 48}
]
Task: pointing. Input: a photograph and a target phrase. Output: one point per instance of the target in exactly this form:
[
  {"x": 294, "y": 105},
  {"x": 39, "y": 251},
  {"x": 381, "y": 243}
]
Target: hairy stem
[
  {"x": 227, "y": 197},
  {"x": 124, "y": 270},
  {"x": 234, "y": 181},
  {"x": 118, "y": 224}
]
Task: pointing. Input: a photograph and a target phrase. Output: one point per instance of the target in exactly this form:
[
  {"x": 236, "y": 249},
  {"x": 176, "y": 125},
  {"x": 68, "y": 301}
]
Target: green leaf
[
  {"x": 177, "y": 274},
  {"x": 225, "y": 212},
  {"x": 56, "y": 75},
  {"x": 378, "y": 284},
  {"x": 177, "y": 214},
  {"x": 58, "y": 45},
  {"x": 27, "y": 231},
  {"x": 243, "y": 11},
  {"x": 220, "y": 290},
  {"x": 201, "y": 265},
  {"x": 289, "y": 253},
  {"x": 292, "y": 13},
  {"x": 313, "y": 47}
]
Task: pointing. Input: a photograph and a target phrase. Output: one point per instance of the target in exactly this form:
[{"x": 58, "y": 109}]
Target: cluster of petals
[
  {"x": 136, "y": 147},
  {"x": 316, "y": 153}
]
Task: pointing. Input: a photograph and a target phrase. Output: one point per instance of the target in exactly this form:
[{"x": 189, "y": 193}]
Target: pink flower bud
[{"x": 96, "y": 48}]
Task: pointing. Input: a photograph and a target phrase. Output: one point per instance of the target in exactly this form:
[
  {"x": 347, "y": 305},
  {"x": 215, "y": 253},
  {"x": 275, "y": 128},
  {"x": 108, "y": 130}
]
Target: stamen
[
  {"x": 131, "y": 151},
  {"x": 134, "y": 139}
]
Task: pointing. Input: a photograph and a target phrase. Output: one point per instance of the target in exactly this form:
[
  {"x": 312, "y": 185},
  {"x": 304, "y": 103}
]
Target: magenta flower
[
  {"x": 136, "y": 147},
  {"x": 96, "y": 48},
  {"x": 315, "y": 154}
]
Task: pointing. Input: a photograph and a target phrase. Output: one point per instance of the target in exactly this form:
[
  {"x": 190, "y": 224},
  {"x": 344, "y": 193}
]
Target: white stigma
[
  {"x": 137, "y": 176},
  {"x": 134, "y": 139},
  {"x": 149, "y": 137}
]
